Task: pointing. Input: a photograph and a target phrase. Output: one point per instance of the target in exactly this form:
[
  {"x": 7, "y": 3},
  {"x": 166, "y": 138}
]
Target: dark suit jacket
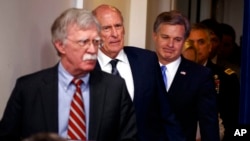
[
  {"x": 228, "y": 98},
  {"x": 155, "y": 120},
  {"x": 33, "y": 107},
  {"x": 193, "y": 97}
]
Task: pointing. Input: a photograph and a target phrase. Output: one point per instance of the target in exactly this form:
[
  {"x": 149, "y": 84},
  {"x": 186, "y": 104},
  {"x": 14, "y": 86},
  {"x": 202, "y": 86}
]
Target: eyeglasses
[{"x": 86, "y": 43}]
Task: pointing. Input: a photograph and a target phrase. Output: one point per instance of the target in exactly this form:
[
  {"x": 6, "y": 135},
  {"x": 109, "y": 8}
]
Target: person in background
[
  {"x": 190, "y": 86},
  {"x": 226, "y": 81},
  {"x": 229, "y": 54},
  {"x": 189, "y": 51},
  {"x": 71, "y": 99},
  {"x": 141, "y": 71},
  {"x": 224, "y": 52},
  {"x": 215, "y": 37}
]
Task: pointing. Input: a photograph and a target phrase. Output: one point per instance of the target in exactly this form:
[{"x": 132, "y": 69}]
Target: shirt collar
[
  {"x": 104, "y": 59},
  {"x": 66, "y": 78},
  {"x": 173, "y": 66}
]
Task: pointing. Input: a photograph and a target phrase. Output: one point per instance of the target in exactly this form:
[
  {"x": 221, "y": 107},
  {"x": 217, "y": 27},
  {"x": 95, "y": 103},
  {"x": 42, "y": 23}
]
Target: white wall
[
  {"x": 137, "y": 23},
  {"x": 25, "y": 44}
]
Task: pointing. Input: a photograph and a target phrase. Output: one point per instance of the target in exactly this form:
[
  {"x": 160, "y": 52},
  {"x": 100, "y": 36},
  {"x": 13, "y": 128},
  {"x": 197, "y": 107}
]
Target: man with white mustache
[
  {"x": 41, "y": 102},
  {"x": 87, "y": 57}
]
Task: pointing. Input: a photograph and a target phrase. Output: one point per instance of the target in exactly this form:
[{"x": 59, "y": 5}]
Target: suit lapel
[
  {"x": 97, "y": 99},
  {"x": 135, "y": 67},
  {"x": 49, "y": 96},
  {"x": 133, "y": 62},
  {"x": 180, "y": 77}
]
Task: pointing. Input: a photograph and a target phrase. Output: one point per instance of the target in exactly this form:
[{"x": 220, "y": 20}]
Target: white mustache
[{"x": 89, "y": 57}]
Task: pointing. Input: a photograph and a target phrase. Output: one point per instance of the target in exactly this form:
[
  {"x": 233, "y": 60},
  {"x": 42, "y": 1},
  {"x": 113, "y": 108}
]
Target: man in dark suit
[
  {"x": 41, "y": 102},
  {"x": 141, "y": 71},
  {"x": 190, "y": 86},
  {"x": 227, "y": 83}
]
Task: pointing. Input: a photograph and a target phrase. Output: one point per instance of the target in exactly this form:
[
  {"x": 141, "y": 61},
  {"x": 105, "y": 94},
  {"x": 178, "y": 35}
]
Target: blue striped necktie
[{"x": 164, "y": 76}]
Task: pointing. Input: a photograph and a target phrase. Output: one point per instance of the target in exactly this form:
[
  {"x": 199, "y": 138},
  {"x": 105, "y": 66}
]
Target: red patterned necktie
[{"x": 76, "y": 125}]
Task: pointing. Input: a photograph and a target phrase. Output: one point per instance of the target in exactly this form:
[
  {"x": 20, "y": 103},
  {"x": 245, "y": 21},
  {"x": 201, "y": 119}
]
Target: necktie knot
[
  {"x": 77, "y": 82},
  {"x": 163, "y": 68},
  {"x": 113, "y": 63}
]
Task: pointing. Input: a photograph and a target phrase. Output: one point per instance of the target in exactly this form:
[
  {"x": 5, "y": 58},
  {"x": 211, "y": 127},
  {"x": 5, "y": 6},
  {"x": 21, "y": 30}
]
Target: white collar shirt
[
  {"x": 171, "y": 71},
  {"x": 122, "y": 66}
]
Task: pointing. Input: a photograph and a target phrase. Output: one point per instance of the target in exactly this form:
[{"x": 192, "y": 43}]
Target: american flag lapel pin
[{"x": 183, "y": 72}]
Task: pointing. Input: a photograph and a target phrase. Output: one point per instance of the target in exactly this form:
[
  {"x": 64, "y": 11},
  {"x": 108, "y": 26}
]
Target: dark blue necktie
[
  {"x": 164, "y": 76},
  {"x": 114, "y": 70}
]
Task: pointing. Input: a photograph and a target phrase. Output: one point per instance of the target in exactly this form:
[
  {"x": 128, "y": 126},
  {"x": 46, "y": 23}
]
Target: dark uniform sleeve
[{"x": 229, "y": 102}]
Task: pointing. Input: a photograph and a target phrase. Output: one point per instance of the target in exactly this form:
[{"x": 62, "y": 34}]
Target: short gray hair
[
  {"x": 81, "y": 17},
  {"x": 173, "y": 17}
]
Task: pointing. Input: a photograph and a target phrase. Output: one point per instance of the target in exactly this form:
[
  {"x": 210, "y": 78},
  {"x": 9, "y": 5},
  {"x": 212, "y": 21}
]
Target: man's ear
[
  {"x": 154, "y": 35},
  {"x": 59, "y": 46}
]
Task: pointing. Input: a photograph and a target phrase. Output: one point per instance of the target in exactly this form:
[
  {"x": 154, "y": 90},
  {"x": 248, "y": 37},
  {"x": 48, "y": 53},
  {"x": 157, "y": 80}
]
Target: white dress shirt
[
  {"x": 122, "y": 66},
  {"x": 171, "y": 71}
]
